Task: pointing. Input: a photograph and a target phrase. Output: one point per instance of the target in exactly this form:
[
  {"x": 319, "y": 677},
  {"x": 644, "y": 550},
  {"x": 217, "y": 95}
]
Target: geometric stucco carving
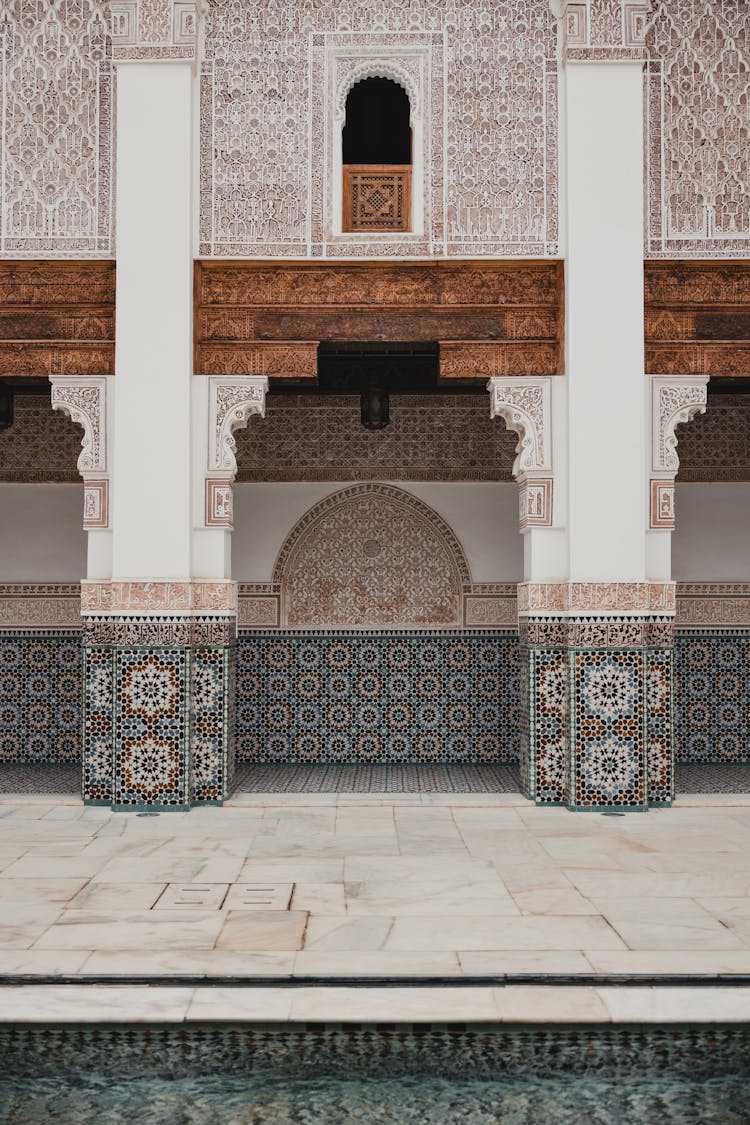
[
  {"x": 371, "y": 556},
  {"x": 674, "y": 400},
  {"x": 524, "y": 406},
  {"x": 85, "y": 402}
]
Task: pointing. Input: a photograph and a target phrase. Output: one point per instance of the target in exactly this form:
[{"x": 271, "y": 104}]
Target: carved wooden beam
[
  {"x": 698, "y": 318},
  {"x": 58, "y": 318},
  {"x": 493, "y": 318}
]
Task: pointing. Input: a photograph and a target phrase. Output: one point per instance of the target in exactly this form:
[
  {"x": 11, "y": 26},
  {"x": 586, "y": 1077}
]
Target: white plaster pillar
[
  {"x": 607, "y": 424},
  {"x": 151, "y": 457}
]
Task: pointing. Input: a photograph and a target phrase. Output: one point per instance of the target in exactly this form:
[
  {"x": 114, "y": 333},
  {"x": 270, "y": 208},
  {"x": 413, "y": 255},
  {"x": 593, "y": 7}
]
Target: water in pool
[{"x": 416, "y": 1076}]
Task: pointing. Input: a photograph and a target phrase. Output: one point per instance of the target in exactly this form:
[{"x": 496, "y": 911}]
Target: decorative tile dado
[
  {"x": 158, "y": 597},
  {"x": 712, "y": 695},
  {"x": 371, "y": 555},
  {"x": 151, "y": 731},
  {"x": 697, "y": 175},
  {"x": 387, "y": 697},
  {"x": 607, "y": 713},
  {"x": 153, "y": 29},
  {"x": 430, "y": 437},
  {"x": 659, "y": 727},
  {"x": 40, "y": 696},
  {"x": 267, "y": 133},
  {"x": 608, "y": 598},
  {"x": 56, "y": 129},
  {"x": 545, "y": 773}
]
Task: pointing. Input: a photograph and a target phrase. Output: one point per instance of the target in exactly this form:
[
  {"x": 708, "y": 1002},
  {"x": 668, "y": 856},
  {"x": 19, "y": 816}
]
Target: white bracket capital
[
  {"x": 524, "y": 405},
  {"x": 232, "y": 402},
  {"x": 674, "y": 399},
  {"x": 85, "y": 402}
]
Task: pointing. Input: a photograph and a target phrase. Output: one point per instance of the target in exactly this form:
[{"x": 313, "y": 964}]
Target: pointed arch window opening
[{"x": 376, "y": 143}]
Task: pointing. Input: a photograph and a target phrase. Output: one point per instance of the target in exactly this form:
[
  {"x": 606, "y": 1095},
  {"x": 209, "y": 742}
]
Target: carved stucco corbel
[
  {"x": 84, "y": 400},
  {"x": 233, "y": 400},
  {"x": 674, "y": 399},
  {"x": 524, "y": 404}
]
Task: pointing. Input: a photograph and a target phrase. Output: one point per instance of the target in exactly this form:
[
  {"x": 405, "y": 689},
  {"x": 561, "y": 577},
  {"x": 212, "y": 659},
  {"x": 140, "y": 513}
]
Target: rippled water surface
[{"x": 246, "y": 1100}]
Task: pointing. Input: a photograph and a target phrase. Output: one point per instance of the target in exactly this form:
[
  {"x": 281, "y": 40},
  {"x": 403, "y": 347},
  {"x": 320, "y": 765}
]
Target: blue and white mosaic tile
[
  {"x": 377, "y": 697},
  {"x": 712, "y": 695},
  {"x": 40, "y": 697}
]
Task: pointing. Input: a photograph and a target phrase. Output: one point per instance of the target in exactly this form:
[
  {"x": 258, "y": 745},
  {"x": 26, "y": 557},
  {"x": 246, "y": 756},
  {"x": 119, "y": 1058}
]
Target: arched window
[{"x": 376, "y": 156}]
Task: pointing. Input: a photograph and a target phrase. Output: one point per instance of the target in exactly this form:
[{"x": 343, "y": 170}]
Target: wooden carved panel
[
  {"x": 698, "y": 318},
  {"x": 56, "y": 318},
  {"x": 490, "y": 318},
  {"x": 377, "y": 197}
]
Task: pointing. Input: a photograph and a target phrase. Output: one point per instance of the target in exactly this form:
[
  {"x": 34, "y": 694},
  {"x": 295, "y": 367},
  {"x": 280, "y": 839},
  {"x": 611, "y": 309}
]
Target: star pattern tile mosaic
[
  {"x": 377, "y": 697},
  {"x": 712, "y": 696},
  {"x": 40, "y": 697}
]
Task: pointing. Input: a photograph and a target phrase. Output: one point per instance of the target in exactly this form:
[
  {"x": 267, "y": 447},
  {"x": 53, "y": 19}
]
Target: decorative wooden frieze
[
  {"x": 698, "y": 318},
  {"x": 492, "y": 318},
  {"x": 57, "y": 318}
]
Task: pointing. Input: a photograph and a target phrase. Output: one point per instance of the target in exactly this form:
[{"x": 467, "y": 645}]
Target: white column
[
  {"x": 151, "y": 457},
  {"x": 607, "y": 425}
]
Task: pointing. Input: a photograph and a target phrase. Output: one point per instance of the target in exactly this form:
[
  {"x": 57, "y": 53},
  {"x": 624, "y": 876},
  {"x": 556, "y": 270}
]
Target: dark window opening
[{"x": 376, "y": 130}]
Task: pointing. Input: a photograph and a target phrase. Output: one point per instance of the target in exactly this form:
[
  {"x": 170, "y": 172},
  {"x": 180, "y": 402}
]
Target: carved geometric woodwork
[
  {"x": 489, "y": 318},
  {"x": 698, "y": 318},
  {"x": 377, "y": 197},
  {"x": 57, "y": 318}
]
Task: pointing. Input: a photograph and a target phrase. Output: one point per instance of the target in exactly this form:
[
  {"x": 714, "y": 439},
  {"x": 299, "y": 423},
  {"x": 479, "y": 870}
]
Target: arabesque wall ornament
[{"x": 56, "y": 129}]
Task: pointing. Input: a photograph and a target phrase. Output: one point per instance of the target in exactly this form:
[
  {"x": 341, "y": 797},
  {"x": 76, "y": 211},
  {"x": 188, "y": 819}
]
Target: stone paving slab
[{"x": 428, "y": 885}]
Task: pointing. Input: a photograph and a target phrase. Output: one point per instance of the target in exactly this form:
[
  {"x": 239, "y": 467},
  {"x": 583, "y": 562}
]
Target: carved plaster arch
[
  {"x": 232, "y": 403},
  {"x": 371, "y": 556},
  {"x": 84, "y": 401},
  {"x": 524, "y": 404},
  {"x": 379, "y": 68},
  {"x": 676, "y": 399}
]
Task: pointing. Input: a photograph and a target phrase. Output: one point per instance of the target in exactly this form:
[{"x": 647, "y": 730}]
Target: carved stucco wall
[
  {"x": 698, "y": 106},
  {"x": 483, "y": 82},
  {"x": 371, "y": 556},
  {"x": 316, "y": 438},
  {"x": 440, "y": 437},
  {"x": 55, "y": 129}
]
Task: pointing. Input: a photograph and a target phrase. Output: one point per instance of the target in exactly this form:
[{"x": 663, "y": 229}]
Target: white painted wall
[
  {"x": 483, "y": 516},
  {"x": 41, "y": 537},
  {"x": 711, "y": 540},
  {"x": 151, "y": 479},
  {"x": 607, "y": 515}
]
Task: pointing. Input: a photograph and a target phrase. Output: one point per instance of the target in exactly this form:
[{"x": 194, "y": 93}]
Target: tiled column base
[
  {"x": 597, "y": 719},
  {"x": 158, "y": 726}
]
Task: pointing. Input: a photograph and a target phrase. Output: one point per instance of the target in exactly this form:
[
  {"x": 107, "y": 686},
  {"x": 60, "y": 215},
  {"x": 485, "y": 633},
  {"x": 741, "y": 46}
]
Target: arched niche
[
  {"x": 376, "y": 154},
  {"x": 371, "y": 556}
]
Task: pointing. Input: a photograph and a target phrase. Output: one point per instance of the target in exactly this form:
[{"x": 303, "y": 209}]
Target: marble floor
[{"x": 359, "y": 885}]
